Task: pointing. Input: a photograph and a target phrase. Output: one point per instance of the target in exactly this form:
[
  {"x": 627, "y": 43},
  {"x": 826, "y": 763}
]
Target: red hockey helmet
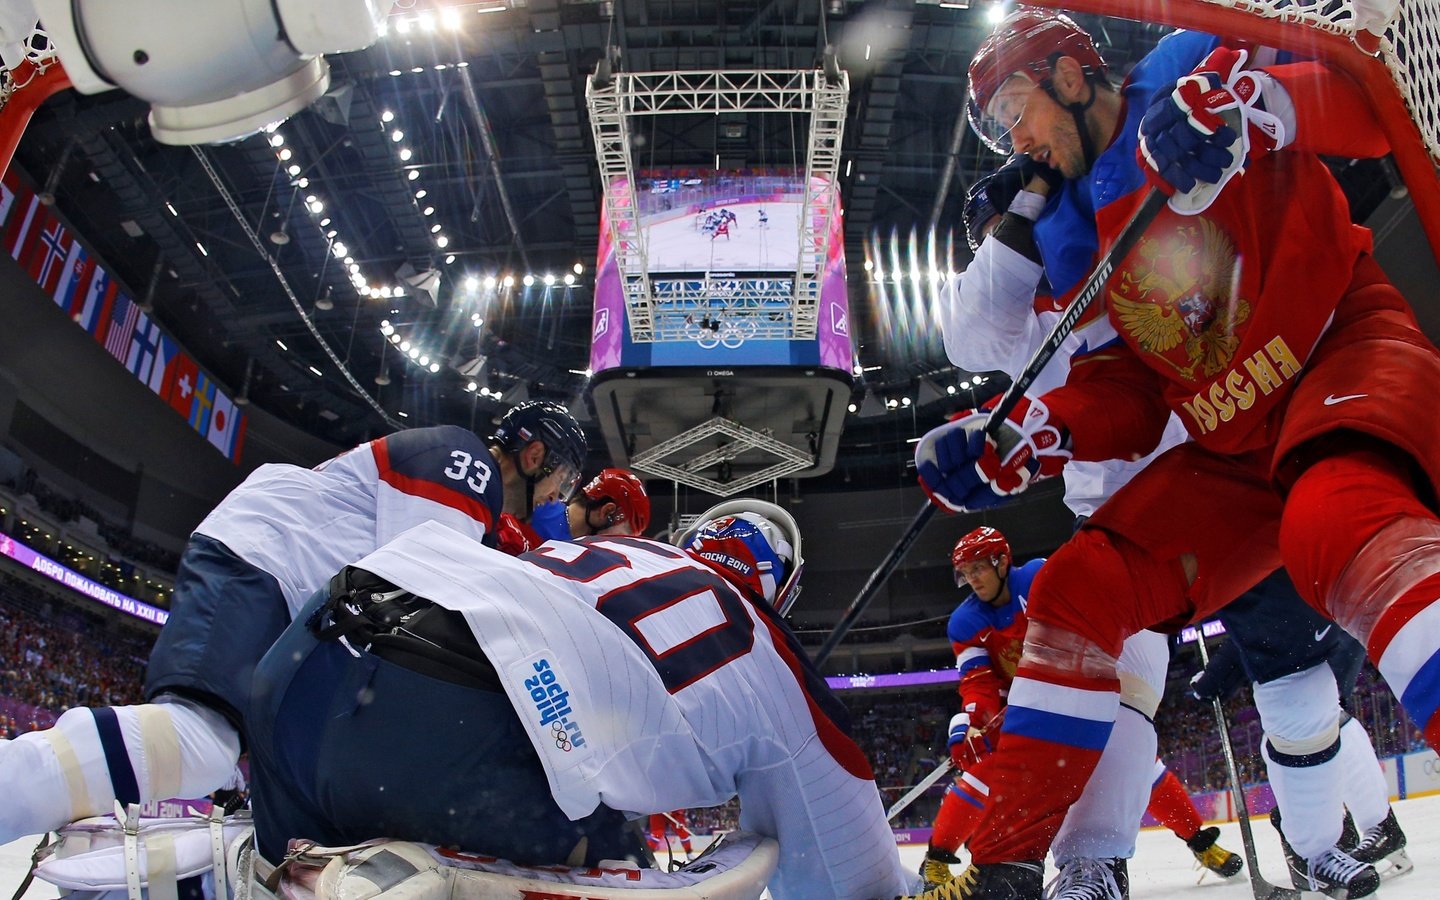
[
  {"x": 1027, "y": 42},
  {"x": 625, "y": 491},
  {"x": 984, "y": 543}
]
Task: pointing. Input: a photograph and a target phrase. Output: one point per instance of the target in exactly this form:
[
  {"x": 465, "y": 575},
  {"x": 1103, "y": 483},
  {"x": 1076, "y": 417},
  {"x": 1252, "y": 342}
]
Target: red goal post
[
  {"x": 1400, "y": 75},
  {"x": 22, "y": 90}
]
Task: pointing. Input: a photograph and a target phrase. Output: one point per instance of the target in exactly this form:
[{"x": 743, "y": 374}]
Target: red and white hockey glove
[
  {"x": 1204, "y": 132},
  {"x": 968, "y": 744},
  {"x": 963, "y": 469}
]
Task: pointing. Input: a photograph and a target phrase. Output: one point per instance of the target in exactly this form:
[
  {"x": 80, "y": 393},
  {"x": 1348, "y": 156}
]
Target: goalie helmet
[
  {"x": 751, "y": 542},
  {"x": 984, "y": 543},
  {"x": 622, "y": 488},
  {"x": 1027, "y": 42}
]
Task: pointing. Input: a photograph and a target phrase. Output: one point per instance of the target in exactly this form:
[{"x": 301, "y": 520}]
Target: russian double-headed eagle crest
[{"x": 1177, "y": 297}]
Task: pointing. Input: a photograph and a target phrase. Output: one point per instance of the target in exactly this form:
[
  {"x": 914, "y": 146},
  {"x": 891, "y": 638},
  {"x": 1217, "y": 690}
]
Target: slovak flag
[
  {"x": 184, "y": 374},
  {"x": 226, "y": 425},
  {"x": 72, "y": 280}
]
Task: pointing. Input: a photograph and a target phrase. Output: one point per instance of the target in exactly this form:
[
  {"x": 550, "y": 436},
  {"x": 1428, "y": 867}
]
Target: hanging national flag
[
  {"x": 19, "y": 231},
  {"x": 94, "y": 312},
  {"x": 201, "y": 403},
  {"x": 8, "y": 187},
  {"x": 166, "y": 352},
  {"x": 122, "y": 326},
  {"x": 48, "y": 260},
  {"x": 225, "y": 424},
  {"x": 70, "y": 291},
  {"x": 180, "y": 379},
  {"x": 144, "y": 346}
]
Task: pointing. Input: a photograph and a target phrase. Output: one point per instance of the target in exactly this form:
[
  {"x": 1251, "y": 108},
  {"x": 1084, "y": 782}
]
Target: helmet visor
[
  {"x": 558, "y": 480},
  {"x": 994, "y": 123}
]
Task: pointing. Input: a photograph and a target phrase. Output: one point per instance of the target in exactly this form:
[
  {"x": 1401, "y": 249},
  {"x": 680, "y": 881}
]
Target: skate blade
[{"x": 1395, "y": 865}]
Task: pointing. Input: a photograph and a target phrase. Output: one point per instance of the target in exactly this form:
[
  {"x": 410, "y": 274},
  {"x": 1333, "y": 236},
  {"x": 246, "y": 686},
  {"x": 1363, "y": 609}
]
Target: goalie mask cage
[{"x": 1396, "y": 62}]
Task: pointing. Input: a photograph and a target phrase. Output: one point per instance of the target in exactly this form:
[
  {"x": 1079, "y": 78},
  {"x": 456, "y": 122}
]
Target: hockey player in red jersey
[
  {"x": 987, "y": 632},
  {"x": 248, "y": 568},
  {"x": 1261, "y": 320},
  {"x": 671, "y": 821}
]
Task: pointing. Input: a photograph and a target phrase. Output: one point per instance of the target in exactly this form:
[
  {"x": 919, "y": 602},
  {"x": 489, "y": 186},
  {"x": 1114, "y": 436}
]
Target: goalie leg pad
[
  {"x": 92, "y": 758},
  {"x": 737, "y": 868}
]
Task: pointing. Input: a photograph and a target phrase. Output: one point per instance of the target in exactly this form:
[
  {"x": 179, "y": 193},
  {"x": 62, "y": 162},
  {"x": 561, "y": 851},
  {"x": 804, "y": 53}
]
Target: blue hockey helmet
[
  {"x": 753, "y": 543},
  {"x": 552, "y": 425}
]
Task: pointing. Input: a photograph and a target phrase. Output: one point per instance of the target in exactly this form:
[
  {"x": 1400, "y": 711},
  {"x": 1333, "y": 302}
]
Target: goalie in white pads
[
  {"x": 446, "y": 694},
  {"x": 250, "y": 565}
]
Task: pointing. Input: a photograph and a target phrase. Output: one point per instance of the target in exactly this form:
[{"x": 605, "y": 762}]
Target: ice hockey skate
[
  {"x": 1090, "y": 879},
  {"x": 1212, "y": 856},
  {"x": 935, "y": 870},
  {"x": 992, "y": 881},
  {"x": 1334, "y": 873},
  {"x": 1383, "y": 847}
]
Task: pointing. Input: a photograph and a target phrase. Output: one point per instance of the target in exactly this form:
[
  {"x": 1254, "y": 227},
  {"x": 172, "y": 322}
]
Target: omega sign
[{"x": 719, "y": 373}]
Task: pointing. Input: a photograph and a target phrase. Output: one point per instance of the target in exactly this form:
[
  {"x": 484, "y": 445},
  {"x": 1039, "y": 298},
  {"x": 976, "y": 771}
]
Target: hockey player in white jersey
[
  {"x": 247, "y": 569},
  {"x": 445, "y": 693}
]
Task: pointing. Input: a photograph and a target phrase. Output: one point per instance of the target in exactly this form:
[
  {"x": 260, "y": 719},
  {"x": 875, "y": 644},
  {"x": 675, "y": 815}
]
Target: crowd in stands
[{"x": 61, "y": 661}]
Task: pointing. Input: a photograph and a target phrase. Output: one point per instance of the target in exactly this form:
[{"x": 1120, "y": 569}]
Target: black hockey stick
[
  {"x": 1124, "y": 242},
  {"x": 876, "y": 579},
  {"x": 1263, "y": 889}
]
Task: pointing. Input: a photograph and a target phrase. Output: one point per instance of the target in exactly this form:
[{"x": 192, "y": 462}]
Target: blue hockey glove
[
  {"x": 1204, "y": 132},
  {"x": 550, "y": 521},
  {"x": 962, "y": 469}
]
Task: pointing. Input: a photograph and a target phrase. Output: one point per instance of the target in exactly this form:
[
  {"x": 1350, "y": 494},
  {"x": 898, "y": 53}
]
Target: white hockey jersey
[
  {"x": 304, "y": 525},
  {"x": 648, "y": 683},
  {"x": 990, "y": 321}
]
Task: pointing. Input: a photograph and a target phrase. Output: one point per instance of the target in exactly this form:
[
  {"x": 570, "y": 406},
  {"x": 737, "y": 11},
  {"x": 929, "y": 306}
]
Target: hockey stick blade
[
  {"x": 945, "y": 767},
  {"x": 1094, "y": 283}
]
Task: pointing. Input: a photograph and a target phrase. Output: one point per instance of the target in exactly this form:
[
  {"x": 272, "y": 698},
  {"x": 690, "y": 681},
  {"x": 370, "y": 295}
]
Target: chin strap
[{"x": 1077, "y": 110}]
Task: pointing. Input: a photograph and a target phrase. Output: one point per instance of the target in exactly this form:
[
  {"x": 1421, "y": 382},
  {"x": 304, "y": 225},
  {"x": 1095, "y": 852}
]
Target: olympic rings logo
[
  {"x": 1432, "y": 766},
  {"x": 562, "y": 740}
]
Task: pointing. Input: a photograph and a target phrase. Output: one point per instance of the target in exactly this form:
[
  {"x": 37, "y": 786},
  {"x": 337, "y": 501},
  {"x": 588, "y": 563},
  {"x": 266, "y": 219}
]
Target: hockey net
[{"x": 1390, "y": 47}]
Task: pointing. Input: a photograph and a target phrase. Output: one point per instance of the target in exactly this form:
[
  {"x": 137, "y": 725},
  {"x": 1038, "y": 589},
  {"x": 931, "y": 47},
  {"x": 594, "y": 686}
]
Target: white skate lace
[
  {"x": 1375, "y": 837},
  {"x": 1337, "y": 866},
  {"x": 1083, "y": 879}
]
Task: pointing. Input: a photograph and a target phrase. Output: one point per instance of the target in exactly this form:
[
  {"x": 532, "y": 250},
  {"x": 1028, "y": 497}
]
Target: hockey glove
[
  {"x": 1204, "y": 132},
  {"x": 1199, "y": 690},
  {"x": 989, "y": 197},
  {"x": 550, "y": 521},
  {"x": 968, "y": 744},
  {"x": 963, "y": 469}
]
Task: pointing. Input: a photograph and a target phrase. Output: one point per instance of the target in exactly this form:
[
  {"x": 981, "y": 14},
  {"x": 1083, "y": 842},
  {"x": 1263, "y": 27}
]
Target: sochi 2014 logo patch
[{"x": 552, "y": 706}]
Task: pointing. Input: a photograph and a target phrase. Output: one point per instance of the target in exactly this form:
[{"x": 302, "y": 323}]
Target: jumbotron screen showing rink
[{"x": 732, "y": 221}]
